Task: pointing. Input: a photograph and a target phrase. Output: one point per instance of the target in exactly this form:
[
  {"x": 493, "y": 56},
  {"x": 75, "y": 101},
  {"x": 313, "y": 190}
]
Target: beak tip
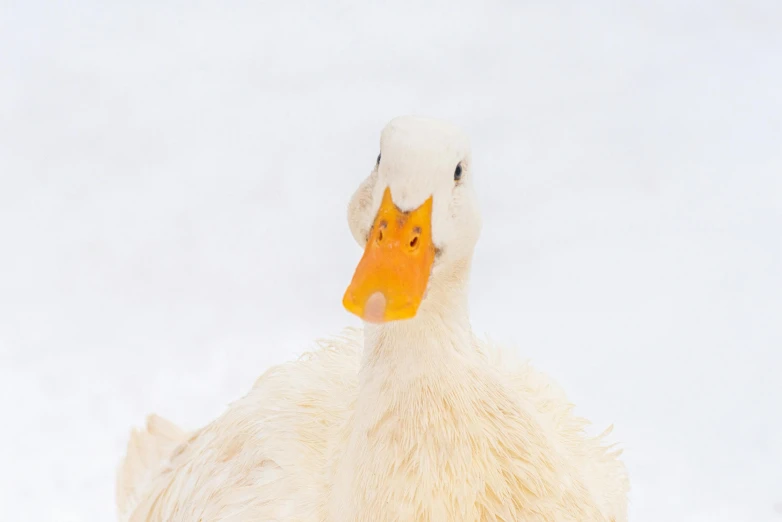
[
  {"x": 375, "y": 308},
  {"x": 372, "y": 311}
]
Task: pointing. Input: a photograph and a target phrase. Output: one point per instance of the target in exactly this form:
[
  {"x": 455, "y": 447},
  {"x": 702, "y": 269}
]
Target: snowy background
[{"x": 173, "y": 184}]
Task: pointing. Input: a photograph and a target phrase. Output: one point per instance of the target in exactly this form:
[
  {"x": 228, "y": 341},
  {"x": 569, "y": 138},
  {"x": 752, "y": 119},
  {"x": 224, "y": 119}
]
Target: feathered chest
[{"x": 445, "y": 450}]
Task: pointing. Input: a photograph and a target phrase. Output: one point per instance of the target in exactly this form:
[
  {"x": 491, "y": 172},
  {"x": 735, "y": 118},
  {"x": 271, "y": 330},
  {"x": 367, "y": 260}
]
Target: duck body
[
  {"x": 406, "y": 420},
  {"x": 489, "y": 441}
]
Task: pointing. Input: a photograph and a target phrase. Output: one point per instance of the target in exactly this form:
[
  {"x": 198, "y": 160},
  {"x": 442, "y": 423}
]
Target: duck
[{"x": 412, "y": 417}]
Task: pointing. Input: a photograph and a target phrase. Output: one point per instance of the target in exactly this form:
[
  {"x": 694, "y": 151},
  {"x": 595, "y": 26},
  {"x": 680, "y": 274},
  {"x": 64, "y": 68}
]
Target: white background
[{"x": 173, "y": 184}]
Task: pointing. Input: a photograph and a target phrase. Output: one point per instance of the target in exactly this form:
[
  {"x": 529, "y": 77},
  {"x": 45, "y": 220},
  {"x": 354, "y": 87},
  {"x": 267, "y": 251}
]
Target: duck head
[{"x": 415, "y": 216}]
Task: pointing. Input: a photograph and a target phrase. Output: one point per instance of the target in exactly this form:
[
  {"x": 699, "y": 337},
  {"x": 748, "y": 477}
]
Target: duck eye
[
  {"x": 457, "y": 174},
  {"x": 378, "y": 159}
]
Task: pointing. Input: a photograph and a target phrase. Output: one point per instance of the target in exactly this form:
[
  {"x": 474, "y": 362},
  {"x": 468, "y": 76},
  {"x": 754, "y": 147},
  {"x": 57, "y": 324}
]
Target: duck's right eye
[
  {"x": 457, "y": 174},
  {"x": 378, "y": 159}
]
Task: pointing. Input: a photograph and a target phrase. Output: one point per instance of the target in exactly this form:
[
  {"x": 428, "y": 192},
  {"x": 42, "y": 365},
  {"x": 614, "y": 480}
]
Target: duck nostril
[
  {"x": 414, "y": 241},
  {"x": 382, "y": 226}
]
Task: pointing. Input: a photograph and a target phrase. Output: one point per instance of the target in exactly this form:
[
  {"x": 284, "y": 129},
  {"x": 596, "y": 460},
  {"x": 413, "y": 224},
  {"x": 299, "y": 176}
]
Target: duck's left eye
[{"x": 457, "y": 174}]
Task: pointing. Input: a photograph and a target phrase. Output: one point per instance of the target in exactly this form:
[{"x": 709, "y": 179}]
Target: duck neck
[{"x": 438, "y": 337}]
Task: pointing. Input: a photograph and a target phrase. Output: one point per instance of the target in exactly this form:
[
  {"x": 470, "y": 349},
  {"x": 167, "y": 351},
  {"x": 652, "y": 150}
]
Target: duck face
[{"x": 415, "y": 214}]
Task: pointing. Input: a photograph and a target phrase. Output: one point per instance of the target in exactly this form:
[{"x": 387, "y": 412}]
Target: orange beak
[{"x": 391, "y": 278}]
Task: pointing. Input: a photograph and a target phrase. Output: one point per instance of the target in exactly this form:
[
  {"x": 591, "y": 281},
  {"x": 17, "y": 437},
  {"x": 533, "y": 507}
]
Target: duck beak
[{"x": 391, "y": 278}]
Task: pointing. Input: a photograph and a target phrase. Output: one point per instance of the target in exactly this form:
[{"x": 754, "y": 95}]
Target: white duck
[{"x": 416, "y": 419}]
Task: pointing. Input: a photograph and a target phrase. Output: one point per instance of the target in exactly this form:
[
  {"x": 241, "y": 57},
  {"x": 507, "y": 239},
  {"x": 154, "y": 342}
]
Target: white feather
[{"x": 415, "y": 420}]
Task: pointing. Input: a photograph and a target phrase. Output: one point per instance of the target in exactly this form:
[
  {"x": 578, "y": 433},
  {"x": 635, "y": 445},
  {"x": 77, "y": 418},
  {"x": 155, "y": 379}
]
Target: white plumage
[{"x": 412, "y": 420}]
